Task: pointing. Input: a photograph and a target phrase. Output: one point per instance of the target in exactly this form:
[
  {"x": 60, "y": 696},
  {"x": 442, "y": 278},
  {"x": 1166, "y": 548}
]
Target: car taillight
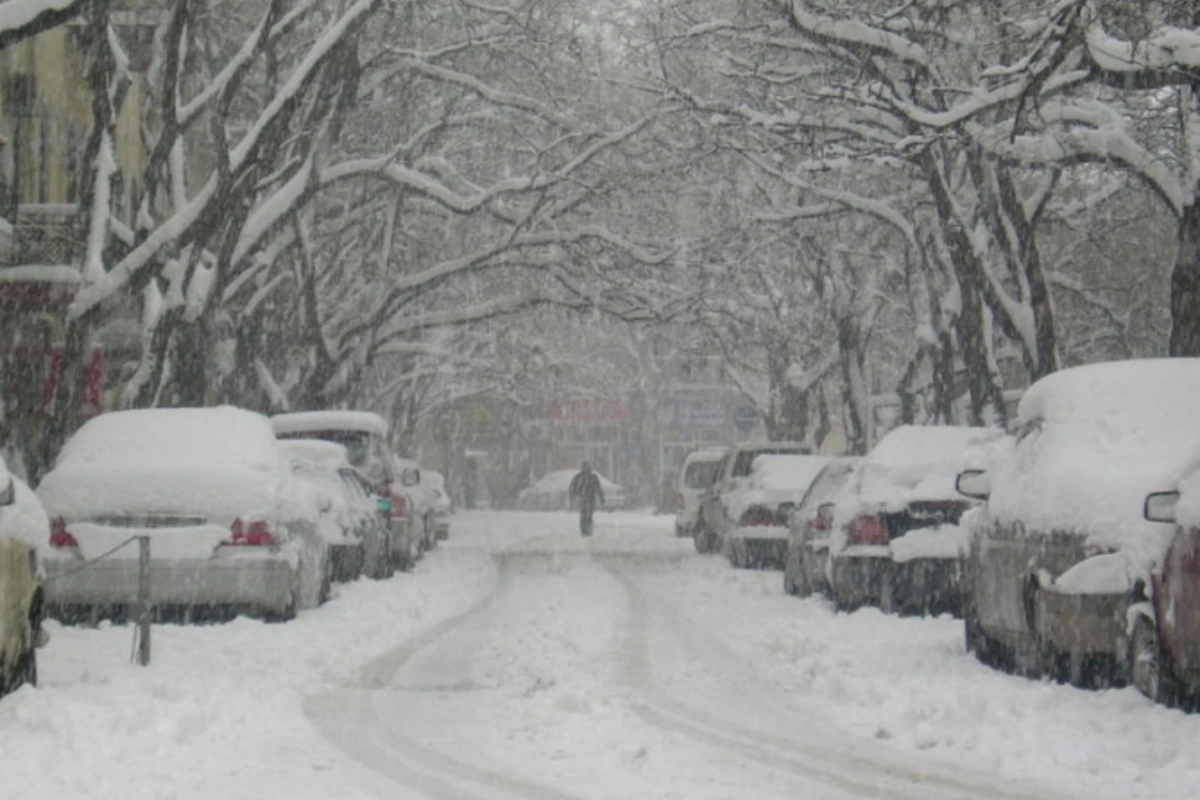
[
  {"x": 679, "y": 500},
  {"x": 757, "y": 515},
  {"x": 399, "y": 509},
  {"x": 255, "y": 533},
  {"x": 867, "y": 529},
  {"x": 59, "y": 535}
]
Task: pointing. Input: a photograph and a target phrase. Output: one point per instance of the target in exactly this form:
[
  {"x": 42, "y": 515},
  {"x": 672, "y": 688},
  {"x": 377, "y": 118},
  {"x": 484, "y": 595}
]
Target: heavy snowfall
[{"x": 578, "y": 399}]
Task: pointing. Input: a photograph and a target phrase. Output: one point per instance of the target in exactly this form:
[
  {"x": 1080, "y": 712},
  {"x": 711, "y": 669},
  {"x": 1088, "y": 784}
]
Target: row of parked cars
[
  {"x": 1069, "y": 544},
  {"x": 243, "y": 513}
]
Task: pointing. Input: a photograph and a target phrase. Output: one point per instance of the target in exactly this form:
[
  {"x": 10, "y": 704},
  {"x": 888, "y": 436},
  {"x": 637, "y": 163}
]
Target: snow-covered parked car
[
  {"x": 806, "y": 560},
  {"x": 352, "y": 520},
  {"x": 365, "y": 437},
  {"x": 1062, "y": 551},
  {"x": 896, "y": 542},
  {"x": 24, "y": 529},
  {"x": 715, "y": 520},
  {"x": 696, "y": 476},
  {"x": 763, "y": 506},
  {"x": 228, "y": 525},
  {"x": 422, "y": 501},
  {"x": 442, "y": 505},
  {"x": 549, "y": 493}
]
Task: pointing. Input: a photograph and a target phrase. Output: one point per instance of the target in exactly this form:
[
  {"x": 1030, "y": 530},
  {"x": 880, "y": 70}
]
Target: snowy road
[{"x": 521, "y": 661}]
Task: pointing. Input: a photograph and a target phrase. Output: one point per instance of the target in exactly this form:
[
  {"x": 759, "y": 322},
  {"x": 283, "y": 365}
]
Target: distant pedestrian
[{"x": 585, "y": 489}]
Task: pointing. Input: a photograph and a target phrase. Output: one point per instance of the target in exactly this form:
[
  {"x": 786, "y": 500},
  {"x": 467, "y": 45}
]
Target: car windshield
[{"x": 701, "y": 474}]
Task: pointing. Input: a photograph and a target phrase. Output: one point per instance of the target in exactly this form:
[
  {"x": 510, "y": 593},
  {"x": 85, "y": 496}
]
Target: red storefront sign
[{"x": 586, "y": 411}]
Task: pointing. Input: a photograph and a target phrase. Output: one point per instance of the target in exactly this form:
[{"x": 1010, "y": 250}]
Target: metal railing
[{"x": 145, "y": 611}]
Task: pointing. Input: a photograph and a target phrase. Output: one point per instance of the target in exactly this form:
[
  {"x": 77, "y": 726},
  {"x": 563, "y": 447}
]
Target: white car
[
  {"x": 229, "y": 527},
  {"x": 762, "y": 506},
  {"x": 351, "y": 518},
  {"x": 365, "y": 436},
  {"x": 442, "y": 506},
  {"x": 23, "y": 530},
  {"x": 422, "y": 498},
  {"x": 699, "y": 471},
  {"x": 550, "y": 492}
]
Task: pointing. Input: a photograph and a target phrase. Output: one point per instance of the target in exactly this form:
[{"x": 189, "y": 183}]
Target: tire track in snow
[
  {"x": 341, "y": 718},
  {"x": 858, "y": 775}
]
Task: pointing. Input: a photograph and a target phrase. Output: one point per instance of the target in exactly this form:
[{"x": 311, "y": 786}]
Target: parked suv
[
  {"x": 365, "y": 436},
  {"x": 23, "y": 527},
  {"x": 714, "y": 520},
  {"x": 1062, "y": 550},
  {"x": 696, "y": 476}
]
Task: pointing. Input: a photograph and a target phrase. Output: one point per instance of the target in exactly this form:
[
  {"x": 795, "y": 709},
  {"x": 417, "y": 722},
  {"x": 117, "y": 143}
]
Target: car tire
[
  {"x": 702, "y": 539},
  {"x": 1148, "y": 668}
]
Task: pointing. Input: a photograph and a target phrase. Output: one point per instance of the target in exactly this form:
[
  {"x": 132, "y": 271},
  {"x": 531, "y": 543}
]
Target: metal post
[{"x": 143, "y": 616}]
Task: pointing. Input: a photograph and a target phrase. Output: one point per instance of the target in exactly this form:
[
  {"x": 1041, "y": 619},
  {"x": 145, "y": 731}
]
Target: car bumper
[
  {"x": 921, "y": 585},
  {"x": 760, "y": 548},
  {"x": 254, "y": 583},
  {"x": 1083, "y": 624}
]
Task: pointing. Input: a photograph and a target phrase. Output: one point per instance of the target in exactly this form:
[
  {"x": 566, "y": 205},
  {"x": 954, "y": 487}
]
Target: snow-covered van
[
  {"x": 1062, "y": 550},
  {"x": 365, "y": 437},
  {"x": 697, "y": 474},
  {"x": 763, "y": 505},
  {"x": 733, "y": 471},
  {"x": 23, "y": 529},
  {"x": 896, "y": 542},
  {"x": 228, "y": 525}
]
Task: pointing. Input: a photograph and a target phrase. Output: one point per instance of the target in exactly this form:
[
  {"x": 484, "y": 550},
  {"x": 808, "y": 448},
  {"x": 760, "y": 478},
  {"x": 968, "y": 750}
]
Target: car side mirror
[
  {"x": 783, "y": 514},
  {"x": 1160, "y": 506},
  {"x": 825, "y": 513},
  {"x": 410, "y": 477},
  {"x": 973, "y": 483},
  {"x": 8, "y": 492},
  {"x": 384, "y": 505}
]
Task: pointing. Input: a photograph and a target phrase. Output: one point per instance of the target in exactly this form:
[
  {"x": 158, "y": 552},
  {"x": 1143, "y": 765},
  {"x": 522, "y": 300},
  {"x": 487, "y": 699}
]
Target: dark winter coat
[{"x": 585, "y": 490}]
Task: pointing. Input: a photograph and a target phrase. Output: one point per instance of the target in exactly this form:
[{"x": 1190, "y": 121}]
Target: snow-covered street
[{"x": 521, "y": 661}]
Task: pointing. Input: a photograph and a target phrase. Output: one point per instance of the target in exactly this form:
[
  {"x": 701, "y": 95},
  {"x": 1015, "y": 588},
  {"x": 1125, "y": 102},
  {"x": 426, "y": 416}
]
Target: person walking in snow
[{"x": 585, "y": 490}]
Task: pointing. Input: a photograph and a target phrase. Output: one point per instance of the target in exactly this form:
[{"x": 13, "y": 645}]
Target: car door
[
  {"x": 710, "y": 501},
  {"x": 1180, "y": 618}
]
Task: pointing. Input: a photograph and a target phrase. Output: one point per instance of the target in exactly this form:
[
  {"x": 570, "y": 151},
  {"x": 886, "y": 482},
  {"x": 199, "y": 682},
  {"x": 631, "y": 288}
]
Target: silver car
[{"x": 228, "y": 526}]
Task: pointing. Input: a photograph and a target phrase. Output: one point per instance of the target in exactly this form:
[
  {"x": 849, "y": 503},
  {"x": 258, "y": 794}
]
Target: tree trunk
[
  {"x": 854, "y": 385},
  {"x": 1185, "y": 286}
]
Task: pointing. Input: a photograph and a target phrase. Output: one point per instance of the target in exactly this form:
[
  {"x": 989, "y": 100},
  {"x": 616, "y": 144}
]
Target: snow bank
[
  {"x": 1095, "y": 441},
  {"x": 24, "y": 520}
]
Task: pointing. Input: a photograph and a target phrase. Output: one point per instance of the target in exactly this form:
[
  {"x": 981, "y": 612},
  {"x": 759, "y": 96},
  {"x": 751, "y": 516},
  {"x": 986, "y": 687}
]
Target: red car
[{"x": 1164, "y": 645}]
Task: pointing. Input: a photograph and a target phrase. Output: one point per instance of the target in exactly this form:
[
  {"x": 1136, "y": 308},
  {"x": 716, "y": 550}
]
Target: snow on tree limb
[{"x": 20, "y": 19}]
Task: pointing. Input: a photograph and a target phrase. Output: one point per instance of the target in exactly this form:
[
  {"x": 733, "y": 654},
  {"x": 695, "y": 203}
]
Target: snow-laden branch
[
  {"x": 856, "y": 36},
  {"x": 20, "y": 19}
]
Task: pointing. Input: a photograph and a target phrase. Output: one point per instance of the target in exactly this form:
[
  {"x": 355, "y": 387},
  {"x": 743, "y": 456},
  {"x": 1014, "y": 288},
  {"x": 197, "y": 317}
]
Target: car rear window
[
  {"x": 357, "y": 443},
  {"x": 701, "y": 474}
]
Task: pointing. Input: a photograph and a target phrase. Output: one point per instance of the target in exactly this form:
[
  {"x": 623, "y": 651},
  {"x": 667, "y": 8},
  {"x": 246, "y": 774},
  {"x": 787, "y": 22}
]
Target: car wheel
[
  {"x": 431, "y": 533},
  {"x": 1148, "y": 669},
  {"x": 700, "y": 538}
]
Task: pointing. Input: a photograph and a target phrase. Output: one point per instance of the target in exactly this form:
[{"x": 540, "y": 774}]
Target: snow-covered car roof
[
  {"x": 309, "y": 421},
  {"x": 774, "y": 480},
  {"x": 919, "y": 462},
  {"x": 706, "y": 454},
  {"x": 223, "y": 460},
  {"x": 786, "y": 473},
  {"x": 316, "y": 453},
  {"x": 1095, "y": 441}
]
